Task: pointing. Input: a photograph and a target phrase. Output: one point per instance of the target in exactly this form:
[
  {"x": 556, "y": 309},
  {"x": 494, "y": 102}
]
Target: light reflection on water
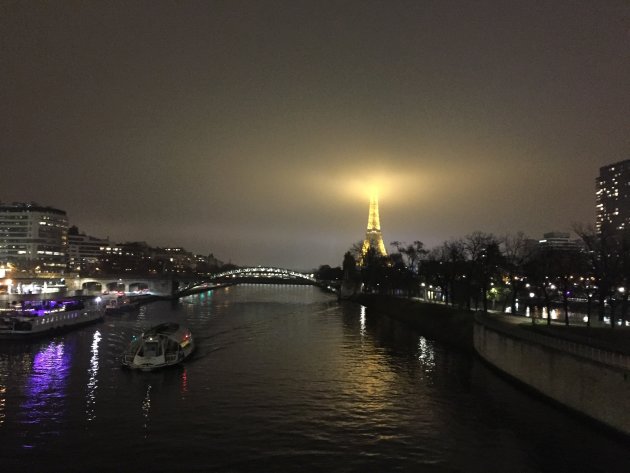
[
  {"x": 283, "y": 379},
  {"x": 45, "y": 388},
  {"x": 184, "y": 383},
  {"x": 362, "y": 320},
  {"x": 3, "y": 403},
  {"x": 4, "y": 377},
  {"x": 142, "y": 313},
  {"x": 146, "y": 409},
  {"x": 426, "y": 354},
  {"x": 92, "y": 383}
]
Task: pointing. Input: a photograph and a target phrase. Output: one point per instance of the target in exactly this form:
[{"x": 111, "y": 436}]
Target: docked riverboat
[
  {"x": 29, "y": 318},
  {"x": 119, "y": 304},
  {"x": 163, "y": 345}
]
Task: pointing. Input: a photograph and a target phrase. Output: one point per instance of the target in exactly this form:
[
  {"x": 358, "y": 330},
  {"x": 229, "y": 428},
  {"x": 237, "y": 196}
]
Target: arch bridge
[
  {"x": 256, "y": 275},
  {"x": 263, "y": 274},
  {"x": 260, "y": 272}
]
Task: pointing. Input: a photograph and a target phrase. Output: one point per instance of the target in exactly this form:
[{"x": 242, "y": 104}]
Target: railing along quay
[{"x": 609, "y": 357}]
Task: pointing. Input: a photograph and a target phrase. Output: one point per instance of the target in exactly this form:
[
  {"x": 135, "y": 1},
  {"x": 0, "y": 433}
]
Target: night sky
[{"x": 254, "y": 129}]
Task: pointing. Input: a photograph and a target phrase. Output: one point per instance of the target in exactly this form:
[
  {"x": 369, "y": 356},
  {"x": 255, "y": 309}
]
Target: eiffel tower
[{"x": 373, "y": 236}]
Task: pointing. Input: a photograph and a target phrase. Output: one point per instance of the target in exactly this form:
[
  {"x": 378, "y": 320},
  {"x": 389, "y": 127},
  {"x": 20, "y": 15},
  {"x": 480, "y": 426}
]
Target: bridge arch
[
  {"x": 263, "y": 272},
  {"x": 253, "y": 275}
]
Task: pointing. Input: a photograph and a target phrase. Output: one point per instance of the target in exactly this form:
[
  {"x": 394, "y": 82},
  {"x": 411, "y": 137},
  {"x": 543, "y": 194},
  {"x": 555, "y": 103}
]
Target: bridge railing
[{"x": 256, "y": 272}]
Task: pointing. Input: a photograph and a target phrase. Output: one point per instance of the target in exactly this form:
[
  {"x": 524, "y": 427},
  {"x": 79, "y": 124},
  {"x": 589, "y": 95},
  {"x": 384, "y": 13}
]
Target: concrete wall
[
  {"x": 435, "y": 321},
  {"x": 591, "y": 381}
]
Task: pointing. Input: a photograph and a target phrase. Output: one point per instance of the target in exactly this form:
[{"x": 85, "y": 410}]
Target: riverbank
[
  {"x": 455, "y": 326},
  {"x": 436, "y": 321},
  {"x": 584, "y": 369},
  {"x": 592, "y": 379}
]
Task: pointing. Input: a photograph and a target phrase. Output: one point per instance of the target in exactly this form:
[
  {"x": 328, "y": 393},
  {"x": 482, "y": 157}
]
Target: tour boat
[
  {"x": 119, "y": 304},
  {"x": 163, "y": 345},
  {"x": 33, "y": 317}
]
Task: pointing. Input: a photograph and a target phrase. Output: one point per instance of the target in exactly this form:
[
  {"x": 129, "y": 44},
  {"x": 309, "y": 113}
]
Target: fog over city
[{"x": 255, "y": 130}]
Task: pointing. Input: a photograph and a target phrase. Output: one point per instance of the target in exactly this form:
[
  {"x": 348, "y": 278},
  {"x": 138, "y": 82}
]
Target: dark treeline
[{"x": 482, "y": 269}]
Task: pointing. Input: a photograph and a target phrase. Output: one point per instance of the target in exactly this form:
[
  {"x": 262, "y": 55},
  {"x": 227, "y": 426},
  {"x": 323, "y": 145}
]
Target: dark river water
[{"x": 284, "y": 378}]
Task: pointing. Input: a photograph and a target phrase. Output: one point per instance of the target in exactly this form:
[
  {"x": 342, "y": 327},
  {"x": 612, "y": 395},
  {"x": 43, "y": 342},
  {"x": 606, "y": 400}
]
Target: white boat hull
[
  {"x": 21, "y": 327},
  {"x": 160, "y": 347}
]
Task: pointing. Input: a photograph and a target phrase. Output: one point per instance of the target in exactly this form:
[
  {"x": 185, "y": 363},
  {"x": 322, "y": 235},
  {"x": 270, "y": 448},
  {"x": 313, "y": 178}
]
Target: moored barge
[{"x": 33, "y": 318}]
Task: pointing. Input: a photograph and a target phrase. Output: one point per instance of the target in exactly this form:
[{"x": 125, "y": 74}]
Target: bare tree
[
  {"x": 483, "y": 255},
  {"x": 606, "y": 260},
  {"x": 516, "y": 252},
  {"x": 413, "y": 253}
]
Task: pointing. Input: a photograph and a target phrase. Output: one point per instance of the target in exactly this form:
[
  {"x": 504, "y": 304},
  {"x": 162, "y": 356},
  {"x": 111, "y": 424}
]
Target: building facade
[
  {"x": 559, "y": 241},
  {"x": 613, "y": 197},
  {"x": 85, "y": 252},
  {"x": 128, "y": 258},
  {"x": 33, "y": 238}
]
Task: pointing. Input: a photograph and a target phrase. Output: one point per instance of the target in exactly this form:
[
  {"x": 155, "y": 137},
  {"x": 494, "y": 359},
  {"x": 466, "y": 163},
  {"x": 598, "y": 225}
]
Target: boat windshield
[{"x": 151, "y": 348}]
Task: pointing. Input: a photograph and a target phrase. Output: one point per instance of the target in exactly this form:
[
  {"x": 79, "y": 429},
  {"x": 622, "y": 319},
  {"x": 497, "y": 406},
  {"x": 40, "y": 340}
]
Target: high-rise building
[
  {"x": 33, "y": 237},
  {"x": 613, "y": 197},
  {"x": 373, "y": 235}
]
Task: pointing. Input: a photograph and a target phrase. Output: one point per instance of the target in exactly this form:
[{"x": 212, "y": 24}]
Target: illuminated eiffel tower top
[{"x": 373, "y": 236}]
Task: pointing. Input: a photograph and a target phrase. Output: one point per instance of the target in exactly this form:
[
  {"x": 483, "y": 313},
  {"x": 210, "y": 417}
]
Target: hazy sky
[{"x": 252, "y": 129}]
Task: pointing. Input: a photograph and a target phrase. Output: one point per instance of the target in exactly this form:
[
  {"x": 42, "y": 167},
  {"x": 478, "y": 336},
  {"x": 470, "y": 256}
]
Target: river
[{"x": 284, "y": 378}]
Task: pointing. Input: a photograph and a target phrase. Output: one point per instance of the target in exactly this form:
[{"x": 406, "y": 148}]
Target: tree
[
  {"x": 516, "y": 253},
  {"x": 444, "y": 267},
  {"x": 483, "y": 259},
  {"x": 606, "y": 263},
  {"x": 537, "y": 269},
  {"x": 406, "y": 265},
  {"x": 356, "y": 250},
  {"x": 349, "y": 267},
  {"x": 413, "y": 254},
  {"x": 326, "y": 273},
  {"x": 489, "y": 269},
  {"x": 435, "y": 270},
  {"x": 373, "y": 271},
  {"x": 564, "y": 265}
]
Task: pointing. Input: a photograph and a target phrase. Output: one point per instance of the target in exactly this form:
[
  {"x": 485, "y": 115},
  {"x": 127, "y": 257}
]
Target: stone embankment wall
[
  {"x": 435, "y": 321},
  {"x": 591, "y": 381}
]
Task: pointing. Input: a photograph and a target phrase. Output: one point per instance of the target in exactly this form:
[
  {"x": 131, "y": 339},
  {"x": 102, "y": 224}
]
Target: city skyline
[{"x": 254, "y": 130}]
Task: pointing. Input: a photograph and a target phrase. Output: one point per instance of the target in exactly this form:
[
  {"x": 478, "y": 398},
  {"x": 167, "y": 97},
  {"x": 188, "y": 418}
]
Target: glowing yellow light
[{"x": 373, "y": 236}]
